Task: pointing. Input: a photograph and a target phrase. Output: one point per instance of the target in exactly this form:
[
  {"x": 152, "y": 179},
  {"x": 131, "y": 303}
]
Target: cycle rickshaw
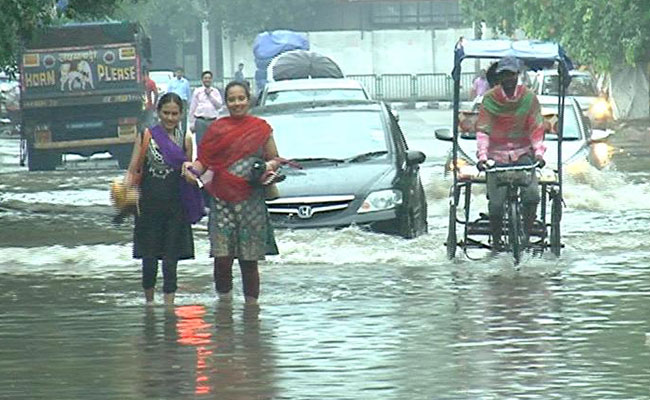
[{"x": 474, "y": 232}]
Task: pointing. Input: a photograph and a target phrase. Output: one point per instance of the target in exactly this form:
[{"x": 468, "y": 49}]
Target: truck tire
[
  {"x": 123, "y": 155},
  {"x": 42, "y": 160}
]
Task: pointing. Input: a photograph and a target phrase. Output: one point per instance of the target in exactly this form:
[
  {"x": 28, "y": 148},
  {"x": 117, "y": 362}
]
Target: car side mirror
[
  {"x": 415, "y": 157},
  {"x": 599, "y": 135},
  {"x": 444, "y": 134}
]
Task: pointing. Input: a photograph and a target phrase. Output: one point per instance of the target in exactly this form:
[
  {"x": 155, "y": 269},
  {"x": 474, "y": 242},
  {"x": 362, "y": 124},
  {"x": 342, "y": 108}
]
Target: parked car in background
[
  {"x": 583, "y": 88},
  {"x": 581, "y": 146},
  {"x": 357, "y": 168},
  {"x": 162, "y": 79},
  {"x": 318, "y": 89},
  {"x": 305, "y": 90}
]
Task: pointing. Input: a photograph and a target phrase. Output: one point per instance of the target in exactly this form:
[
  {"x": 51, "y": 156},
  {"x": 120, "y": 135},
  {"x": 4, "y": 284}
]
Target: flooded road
[{"x": 344, "y": 314}]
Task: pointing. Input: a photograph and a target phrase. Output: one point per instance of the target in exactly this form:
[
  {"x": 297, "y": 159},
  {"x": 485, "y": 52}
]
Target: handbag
[
  {"x": 260, "y": 176},
  {"x": 125, "y": 198}
]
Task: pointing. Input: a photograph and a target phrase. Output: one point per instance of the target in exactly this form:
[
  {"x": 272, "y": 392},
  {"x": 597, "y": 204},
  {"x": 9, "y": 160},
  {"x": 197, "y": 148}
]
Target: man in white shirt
[{"x": 205, "y": 106}]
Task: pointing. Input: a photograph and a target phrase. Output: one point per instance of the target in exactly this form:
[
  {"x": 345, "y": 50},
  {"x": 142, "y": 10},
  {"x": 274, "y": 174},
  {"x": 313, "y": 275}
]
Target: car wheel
[
  {"x": 407, "y": 225},
  {"x": 423, "y": 226},
  {"x": 38, "y": 160},
  {"x": 413, "y": 221},
  {"x": 123, "y": 155}
]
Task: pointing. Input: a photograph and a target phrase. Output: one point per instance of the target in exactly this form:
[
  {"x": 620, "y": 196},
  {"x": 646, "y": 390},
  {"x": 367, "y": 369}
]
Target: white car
[
  {"x": 581, "y": 146},
  {"x": 162, "y": 79},
  {"x": 317, "y": 89},
  {"x": 582, "y": 87}
]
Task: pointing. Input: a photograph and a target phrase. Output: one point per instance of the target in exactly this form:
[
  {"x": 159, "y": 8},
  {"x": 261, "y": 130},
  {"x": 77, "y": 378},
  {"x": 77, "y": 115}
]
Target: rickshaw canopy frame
[{"x": 535, "y": 54}]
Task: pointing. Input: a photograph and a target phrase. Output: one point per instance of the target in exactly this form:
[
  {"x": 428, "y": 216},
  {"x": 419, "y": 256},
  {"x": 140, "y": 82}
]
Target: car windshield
[
  {"x": 581, "y": 85},
  {"x": 571, "y": 126},
  {"x": 336, "y": 135},
  {"x": 293, "y": 96}
]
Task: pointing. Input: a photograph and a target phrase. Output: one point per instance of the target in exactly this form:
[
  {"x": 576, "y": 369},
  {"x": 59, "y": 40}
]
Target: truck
[{"x": 83, "y": 91}]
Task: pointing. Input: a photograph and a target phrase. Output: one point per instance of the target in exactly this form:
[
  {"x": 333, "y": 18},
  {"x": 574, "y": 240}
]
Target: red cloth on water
[{"x": 226, "y": 141}]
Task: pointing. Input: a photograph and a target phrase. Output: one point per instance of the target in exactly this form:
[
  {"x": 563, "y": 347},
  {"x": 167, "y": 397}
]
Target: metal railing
[{"x": 402, "y": 87}]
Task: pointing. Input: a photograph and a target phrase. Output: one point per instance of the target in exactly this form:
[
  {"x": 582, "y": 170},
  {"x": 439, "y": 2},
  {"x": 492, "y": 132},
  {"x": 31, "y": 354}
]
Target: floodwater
[{"x": 344, "y": 314}]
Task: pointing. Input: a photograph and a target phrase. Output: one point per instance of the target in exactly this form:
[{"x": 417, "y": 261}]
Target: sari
[{"x": 174, "y": 156}]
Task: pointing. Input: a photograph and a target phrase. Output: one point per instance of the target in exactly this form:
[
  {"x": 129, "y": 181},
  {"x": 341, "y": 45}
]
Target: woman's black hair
[
  {"x": 244, "y": 85},
  {"x": 170, "y": 97}
]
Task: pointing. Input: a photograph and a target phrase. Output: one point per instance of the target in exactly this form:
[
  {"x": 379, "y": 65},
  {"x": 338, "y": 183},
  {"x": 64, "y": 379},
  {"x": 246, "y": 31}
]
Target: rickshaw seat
[{"x": 467, "y": 121}]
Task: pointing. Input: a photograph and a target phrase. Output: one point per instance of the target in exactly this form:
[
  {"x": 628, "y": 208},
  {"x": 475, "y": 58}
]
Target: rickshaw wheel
[
  {"x": 452, "y": 241},
  {"x": 515, "y": 231},
  {"x": 556, "y": 216}
]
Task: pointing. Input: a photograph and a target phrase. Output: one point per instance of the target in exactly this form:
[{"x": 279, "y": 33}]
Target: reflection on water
[
  {"x": 194, "y": 349},
  {"x": 193, "y": 331},
  {"x": 345, "y": 314}
]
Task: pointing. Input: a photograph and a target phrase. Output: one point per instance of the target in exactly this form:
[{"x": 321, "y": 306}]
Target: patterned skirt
[{"x": 241, "y": 230}]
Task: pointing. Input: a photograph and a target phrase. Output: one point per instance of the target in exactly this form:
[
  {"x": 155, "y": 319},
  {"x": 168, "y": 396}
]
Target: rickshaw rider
[{"x": 510, "y": 131}]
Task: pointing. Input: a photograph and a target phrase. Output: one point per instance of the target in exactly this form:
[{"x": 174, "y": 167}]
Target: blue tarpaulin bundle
[{"x": 269, "y": 44}]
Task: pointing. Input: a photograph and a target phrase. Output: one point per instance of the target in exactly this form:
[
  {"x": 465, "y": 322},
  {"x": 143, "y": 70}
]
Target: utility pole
[{"x": 205, "y": 45}]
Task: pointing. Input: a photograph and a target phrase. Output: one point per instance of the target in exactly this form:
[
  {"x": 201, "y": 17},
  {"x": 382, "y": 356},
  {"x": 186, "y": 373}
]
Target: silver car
[
  {"x": 582, "y": 88},
  {"x": 581, "y": 145},
  {"x": 305, "y": 90},
  {"x": 162, "y": 79}
]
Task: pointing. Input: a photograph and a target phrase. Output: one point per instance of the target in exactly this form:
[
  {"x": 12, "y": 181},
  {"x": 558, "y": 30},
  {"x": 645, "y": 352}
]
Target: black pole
[
  {"x": 560, "y": 131},
  {"x": 456, "y": 108}
]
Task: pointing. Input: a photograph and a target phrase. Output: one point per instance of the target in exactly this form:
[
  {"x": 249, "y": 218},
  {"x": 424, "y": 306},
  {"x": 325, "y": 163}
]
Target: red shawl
[{"x": 226, "y": 141}]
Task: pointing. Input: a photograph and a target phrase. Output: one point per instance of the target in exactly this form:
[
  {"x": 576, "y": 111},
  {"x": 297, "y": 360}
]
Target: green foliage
[
  {"x": 20, "y": 18},
  {"x": 601, "y": 33}
]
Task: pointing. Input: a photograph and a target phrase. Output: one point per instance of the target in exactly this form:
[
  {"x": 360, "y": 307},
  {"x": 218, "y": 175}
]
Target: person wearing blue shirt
[
  {"x": 181, "y": 86},
  {"x": 239, "y": 74}
]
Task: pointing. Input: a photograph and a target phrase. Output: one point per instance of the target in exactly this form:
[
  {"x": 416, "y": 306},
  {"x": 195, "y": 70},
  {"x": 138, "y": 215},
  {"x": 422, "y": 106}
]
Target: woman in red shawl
[{"x": 239, "y": 224}]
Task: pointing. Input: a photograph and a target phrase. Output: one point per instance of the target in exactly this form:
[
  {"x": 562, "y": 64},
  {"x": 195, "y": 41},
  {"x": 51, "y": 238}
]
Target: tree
[
  {"x": 601, "y": 33},
  {"x": 19, "y": 20}
]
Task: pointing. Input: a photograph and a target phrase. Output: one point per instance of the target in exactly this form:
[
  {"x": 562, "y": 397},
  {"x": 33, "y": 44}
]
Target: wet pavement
[{"x": 344, "y": 314}]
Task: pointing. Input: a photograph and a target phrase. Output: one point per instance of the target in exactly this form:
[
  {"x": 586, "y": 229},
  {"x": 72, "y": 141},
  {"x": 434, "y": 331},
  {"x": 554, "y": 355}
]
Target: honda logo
[{"x": 305, "y": 212}]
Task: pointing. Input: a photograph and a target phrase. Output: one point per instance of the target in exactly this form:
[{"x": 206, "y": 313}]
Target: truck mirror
[{"x": 146, "y": 48}]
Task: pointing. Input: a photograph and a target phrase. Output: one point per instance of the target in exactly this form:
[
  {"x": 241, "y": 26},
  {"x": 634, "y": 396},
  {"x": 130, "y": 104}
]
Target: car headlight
[
  {"x": 600, "y": 108},
  {"x": 602, "y": 154},
  {"x": 381, "y": 200}
]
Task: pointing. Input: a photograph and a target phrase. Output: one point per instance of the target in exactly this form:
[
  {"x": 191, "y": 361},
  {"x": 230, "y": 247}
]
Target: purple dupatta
[{"x": 174, "y": 156}]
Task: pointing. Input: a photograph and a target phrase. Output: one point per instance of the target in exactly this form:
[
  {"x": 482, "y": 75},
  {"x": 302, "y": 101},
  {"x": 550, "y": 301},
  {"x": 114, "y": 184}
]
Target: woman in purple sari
[{"x": 167, "y": 206}]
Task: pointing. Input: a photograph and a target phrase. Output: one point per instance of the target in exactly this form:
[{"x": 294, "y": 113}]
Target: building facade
[{"x": 362, "y": 25}]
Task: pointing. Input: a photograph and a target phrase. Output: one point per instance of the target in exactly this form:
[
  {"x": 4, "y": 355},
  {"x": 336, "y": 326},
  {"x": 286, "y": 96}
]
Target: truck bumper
[{"x": 84, "y": 143}]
